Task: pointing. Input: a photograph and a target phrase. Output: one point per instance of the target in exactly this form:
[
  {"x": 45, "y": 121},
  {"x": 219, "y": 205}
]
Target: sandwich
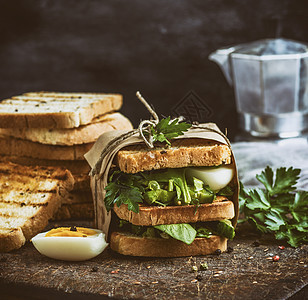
[
  {"x": 179, "y": 199},
  {"x": 166, "y": 189}
]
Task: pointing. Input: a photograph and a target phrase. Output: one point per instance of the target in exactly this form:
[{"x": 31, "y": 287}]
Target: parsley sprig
[
  {"x": 124, "y": 189},
  {"x": 278, "y": 208},
  {"x": 167, "y": 129}
]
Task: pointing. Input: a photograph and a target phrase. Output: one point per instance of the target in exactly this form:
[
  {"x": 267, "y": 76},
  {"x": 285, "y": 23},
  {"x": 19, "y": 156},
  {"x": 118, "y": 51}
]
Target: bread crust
[
  {"x": 72, "y": 136},
  {"x": 17, "y": 147},
  {"x": 35, "y": 223},
  {"x": 76, "y": 197},
  {"x": 82, "y": 183},
  {"x": 182, "y": 153},
  {"x": 77, "y": 211},
  {"x": 157, "y": 215},
  {"x": 76, "y": 167},
  {"x": 158, "y": 247},
  {"x": 56, "y": 110},
  {"x": 78, "y": 205},
  {"x": 9, "y": 172},
  {"x": 11, "y": 239}
]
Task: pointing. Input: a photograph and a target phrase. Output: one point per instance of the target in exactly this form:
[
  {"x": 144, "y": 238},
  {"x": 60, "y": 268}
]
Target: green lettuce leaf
[
  {"x": 182, "y": 232},
  {"x": 222, "y": 228}
]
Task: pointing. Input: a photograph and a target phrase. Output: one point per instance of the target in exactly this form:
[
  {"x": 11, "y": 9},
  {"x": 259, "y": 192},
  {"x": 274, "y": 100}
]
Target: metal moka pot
[{"x": 270, "y": 80}]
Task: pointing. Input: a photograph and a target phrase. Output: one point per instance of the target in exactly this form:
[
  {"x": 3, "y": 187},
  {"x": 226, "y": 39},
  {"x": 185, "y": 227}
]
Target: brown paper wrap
[{"x": 101, "y": 156}]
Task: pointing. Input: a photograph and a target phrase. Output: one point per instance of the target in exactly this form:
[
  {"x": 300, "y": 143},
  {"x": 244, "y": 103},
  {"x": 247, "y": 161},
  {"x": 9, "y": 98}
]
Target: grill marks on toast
[
  {"x": 36, "y": 198},
  {"x": 16, "y": 210},
  {"x": 29, "y": 197},
  {"x": 64, "y": 100},
  {"x": 74, "y": 166},
  {"x": 19, "y": 186},
  {"x": 11, "y": 170}
]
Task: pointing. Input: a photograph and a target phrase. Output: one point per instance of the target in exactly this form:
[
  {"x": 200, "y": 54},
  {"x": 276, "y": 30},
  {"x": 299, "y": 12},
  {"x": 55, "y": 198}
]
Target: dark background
[{"x": 158, "y": 47}]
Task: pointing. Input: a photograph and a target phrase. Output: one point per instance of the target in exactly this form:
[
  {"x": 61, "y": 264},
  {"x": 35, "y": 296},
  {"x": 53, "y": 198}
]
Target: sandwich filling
[
  {"x": 185, "y": 233},
  {"x": 172, "y": 187}
]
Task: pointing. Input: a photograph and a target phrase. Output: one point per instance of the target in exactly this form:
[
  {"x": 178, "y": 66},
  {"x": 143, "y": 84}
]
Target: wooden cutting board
[{"x": 245, "y": 272}]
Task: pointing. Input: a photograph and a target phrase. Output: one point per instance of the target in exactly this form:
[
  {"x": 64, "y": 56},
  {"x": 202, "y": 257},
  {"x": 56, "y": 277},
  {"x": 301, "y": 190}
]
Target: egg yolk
[{"x": 71, "y": 231}]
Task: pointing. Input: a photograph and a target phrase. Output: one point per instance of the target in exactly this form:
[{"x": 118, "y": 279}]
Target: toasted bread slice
[
  {"x": 20, "y": 183},
  {"x": 15, "y": 177},
  {"x": 79, "y": 169},
  {"x": 76, "y": 211},
  {"x": 70, "y": 95},
  {"x": 30, "y": 218},
  {"x": 127, "y": 244},
  {"x": 29, "y": 197},
  {"x": 76, "y": 167},
  {"x": 78, "y": 205},
  {"x": 182, "y": 153},
  {"x": 72, "y": 136},
  {"x": 29, "y": 226},
  {"x": 82, "y": 183},
  {"x": 11, "y": 146},
  {"x": 56, "y": 110},
  {"x": 157, "y": 215},
  {"x": 77, "y": 197}
]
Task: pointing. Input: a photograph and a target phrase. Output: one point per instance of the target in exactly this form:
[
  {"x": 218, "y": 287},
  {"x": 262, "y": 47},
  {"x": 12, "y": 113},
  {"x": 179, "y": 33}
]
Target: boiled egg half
[
  {"x": 70, "y": 243},
  {"x": 215, "y": 177}
]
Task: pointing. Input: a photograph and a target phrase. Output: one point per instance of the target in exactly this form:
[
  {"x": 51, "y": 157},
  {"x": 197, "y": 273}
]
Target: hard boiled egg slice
[
  {"x": 69, "y": 247},
  {"x": 215, "y": 177}
]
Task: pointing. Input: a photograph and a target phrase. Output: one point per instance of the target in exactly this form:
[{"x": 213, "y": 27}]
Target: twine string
[
  {"x": 148, "y": 106},
  {"x": 145, "y": 126}
]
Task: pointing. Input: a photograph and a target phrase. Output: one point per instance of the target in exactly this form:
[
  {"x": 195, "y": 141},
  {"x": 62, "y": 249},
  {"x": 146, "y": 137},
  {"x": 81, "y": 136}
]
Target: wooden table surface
[{"x": 245, "y": 272}]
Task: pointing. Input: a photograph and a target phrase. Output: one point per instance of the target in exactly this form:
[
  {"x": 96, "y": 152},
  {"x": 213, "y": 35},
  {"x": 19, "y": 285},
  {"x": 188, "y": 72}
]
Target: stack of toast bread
[{"x": 53, "y": 129}]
